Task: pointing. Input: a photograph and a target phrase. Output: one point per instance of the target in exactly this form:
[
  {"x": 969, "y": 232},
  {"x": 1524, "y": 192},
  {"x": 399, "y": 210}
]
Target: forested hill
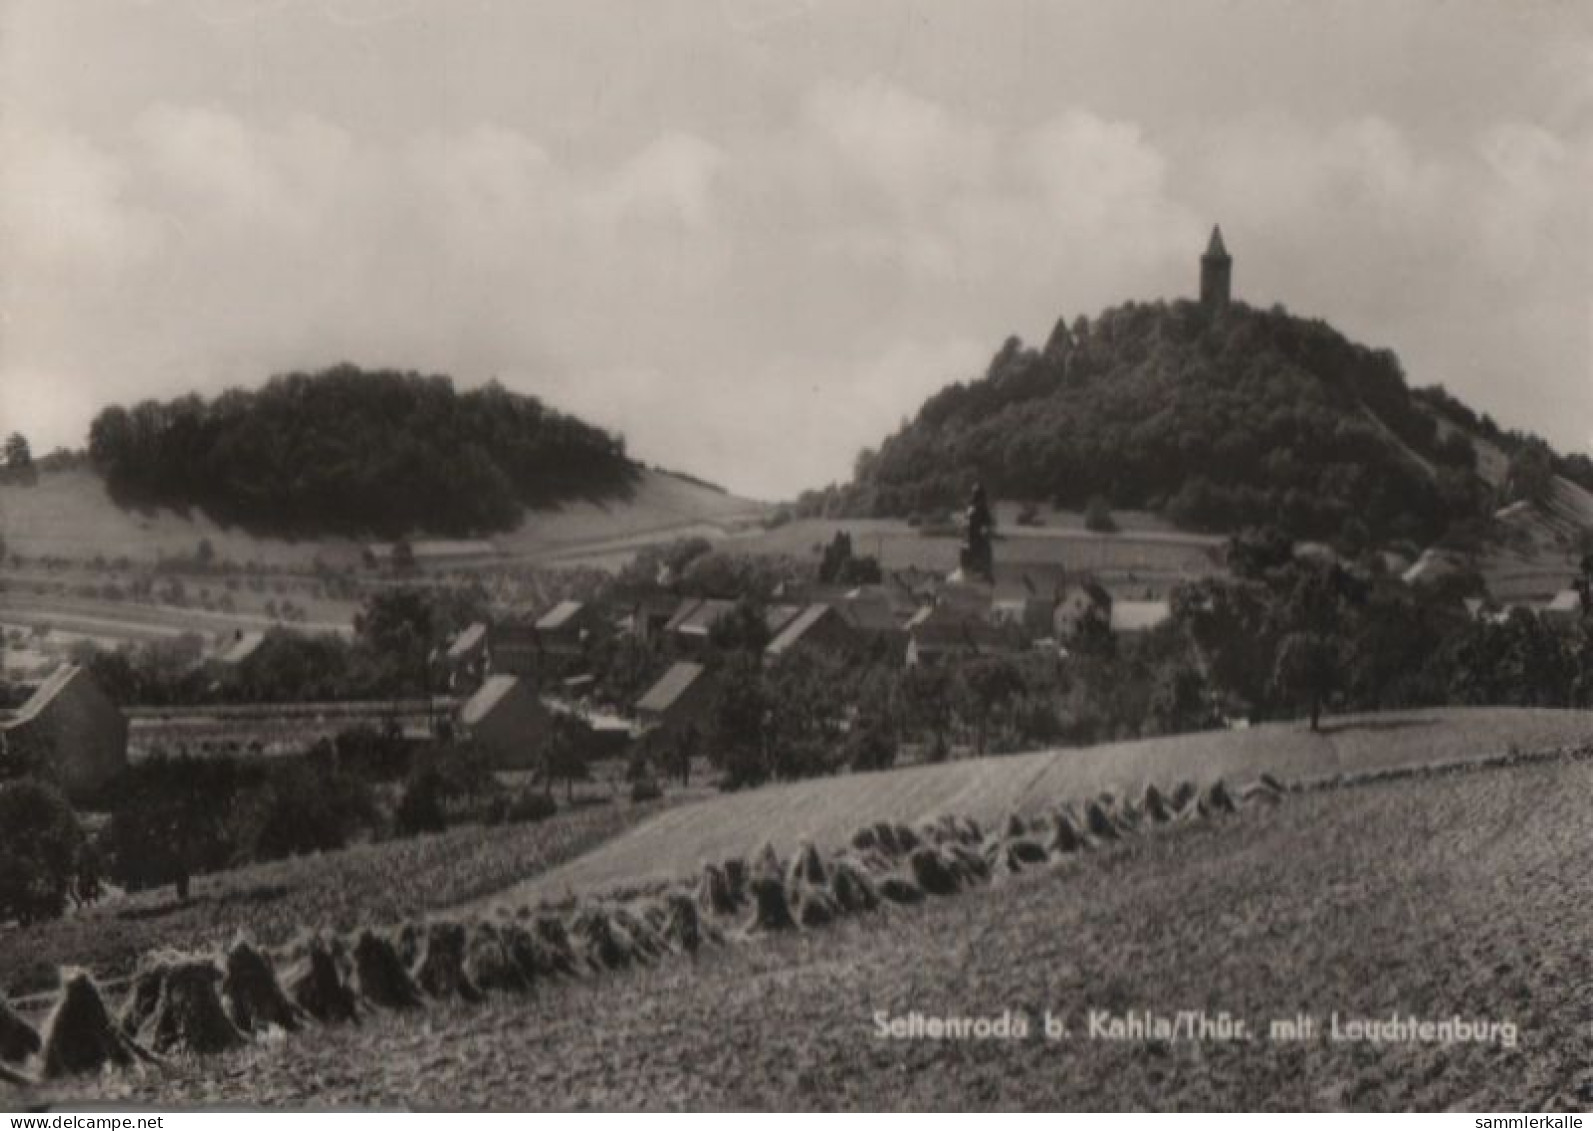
[
  {"x": 1216, "y": 420},
  {"x": 352, "y": 452}
]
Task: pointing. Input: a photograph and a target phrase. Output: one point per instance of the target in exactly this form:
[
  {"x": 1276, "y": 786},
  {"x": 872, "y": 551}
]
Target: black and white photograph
[{"x": 796, "y": 555}]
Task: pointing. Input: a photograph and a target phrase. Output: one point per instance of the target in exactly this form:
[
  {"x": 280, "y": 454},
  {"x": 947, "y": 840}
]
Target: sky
[{"x": 753, "y": 235}]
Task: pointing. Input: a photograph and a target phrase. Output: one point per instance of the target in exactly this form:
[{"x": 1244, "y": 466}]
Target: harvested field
[
  {"x": 1429, "y": 896},
  {"x": 826, "y": 811},
  {"x": 367, "y": 884}
]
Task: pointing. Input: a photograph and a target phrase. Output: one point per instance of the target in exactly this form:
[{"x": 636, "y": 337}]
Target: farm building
[
  {"x": 682, "y": 695},
  {"x": 508, "y": 720},
  {"x": 464, "y": 661},
  {"x": 694, "y": 619},
  {"x": 1139, "y": 616},
  {"x": 878, "y": 614},
  {"x": 513, "y": 648},
  {"x": 237, "y": 648},
  {"x": 940, "y": 631},
  {"x": 818, "y": 626},
  {"x": 1079, "y": 604},
  {"x": 70, "y": 728},
  {"x": 563, "y": 630},
  {"x": 1565, "y": 609},
  {"x": 647, "y": 617}
]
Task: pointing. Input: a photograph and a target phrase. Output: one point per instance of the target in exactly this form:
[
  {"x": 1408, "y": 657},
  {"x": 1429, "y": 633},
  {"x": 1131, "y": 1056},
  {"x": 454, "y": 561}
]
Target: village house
[
  {"x": 695, "y": 618},
  {"x": 682, "y": 696},
  {"x": 1564, "y": 610},
  {"x": 464, "y": 662},
  {"x": 1080, "y": 604},
  {"x": 939, "y": 632},
  {"x": 513, "y": 647},
  {"x": 1138, "y": 616},
  {"x": 562, "y": 633},
  {"x": 820, "y": 626},
  {"x": 71, "y": 730},
  {"x": 508, "y": 721}
]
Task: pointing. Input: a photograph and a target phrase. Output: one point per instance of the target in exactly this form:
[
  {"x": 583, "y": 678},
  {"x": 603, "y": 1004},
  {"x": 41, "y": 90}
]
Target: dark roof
[
  {"x": 559, "y": 616},
  {"x": 1215, "y": 249},
  {"x": 467, "y": 641},
  {"x": 798, "y": 628},
  {"x": 487, "y": 698},
  {"x": 47, "y": 691},
  {"x": 674, "y": 683}
]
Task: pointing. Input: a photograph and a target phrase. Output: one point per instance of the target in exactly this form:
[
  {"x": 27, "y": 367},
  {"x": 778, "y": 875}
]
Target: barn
[
  {"x": 682, "y": 695},
  {"x": 70, "y": 728},
  {"x": 508, "y": 721}
]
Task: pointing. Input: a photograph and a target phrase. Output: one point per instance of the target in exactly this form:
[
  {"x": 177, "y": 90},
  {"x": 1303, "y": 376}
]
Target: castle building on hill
[{"x": 1216, "y": 273}]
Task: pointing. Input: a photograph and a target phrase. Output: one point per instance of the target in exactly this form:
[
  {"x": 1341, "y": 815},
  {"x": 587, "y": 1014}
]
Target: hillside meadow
[
  {"x": 1466, "y": 894},
  {"x": 825, "y": 811}
]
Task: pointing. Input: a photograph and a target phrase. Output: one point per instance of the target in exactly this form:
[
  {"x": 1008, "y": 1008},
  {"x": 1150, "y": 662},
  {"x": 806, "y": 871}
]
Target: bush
[
  {"x": 870, "y": 746},
  {"x": 1098, "y": 516},
  {"x": 42, "y": 848},
  {"x": 646, "y": 789},
  {"x": 521, "y": 808},
  {"x": 301, "y": 807},
  {"x": 420, "y": 808}
]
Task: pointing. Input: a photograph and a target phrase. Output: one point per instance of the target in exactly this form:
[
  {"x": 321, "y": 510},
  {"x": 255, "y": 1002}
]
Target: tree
[
  {"x": 988, "y": 686},
  {"x": 42, "y": 851},
  {"x": 170, "y": 821},
  {"x": 1307, "y": 666},
  {"x": 1530, "y": 475},
  {"x": 1098, "y": 516},
  {"x": 739, "y": 723},
  {"x": 744, "y": 628},
  {"x": 1313, "y": 615},
  {"x": 19, "y": 455},
  {"x": 1254, "y": 552},
  {"x": 682, "y": 748},
  {"x": 568, "y": 750}
]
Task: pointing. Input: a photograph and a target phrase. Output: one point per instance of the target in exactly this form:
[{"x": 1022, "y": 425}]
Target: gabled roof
[
  {"x": 242, "y": 647},
  {"x": 487, "y": 698},
  {"x": 701, "y": 618},
  {"x": 467, "y": 641},
  {"x": 1139, "y": 616},
  {"x": 779, "y": 617},
  {"x": 673, "y": 684},
  {"x": 1215, "y": 249},
  {"x": 1565, "y": 601},
  {"x": 798, "y": 628},
  {"x": 559, "y": 616},
  {"x": 47, "y": 691}
]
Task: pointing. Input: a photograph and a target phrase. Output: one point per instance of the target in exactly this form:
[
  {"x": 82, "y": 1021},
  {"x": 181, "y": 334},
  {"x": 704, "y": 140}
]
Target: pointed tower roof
[{"x": 1215, "y": 249}]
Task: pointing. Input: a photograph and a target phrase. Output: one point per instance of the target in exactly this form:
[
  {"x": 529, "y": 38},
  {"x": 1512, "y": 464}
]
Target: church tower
[{"x": 1216, "y": 273}]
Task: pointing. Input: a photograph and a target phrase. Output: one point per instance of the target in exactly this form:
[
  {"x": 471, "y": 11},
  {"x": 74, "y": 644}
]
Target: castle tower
[{"x": 1216, "y": 273}]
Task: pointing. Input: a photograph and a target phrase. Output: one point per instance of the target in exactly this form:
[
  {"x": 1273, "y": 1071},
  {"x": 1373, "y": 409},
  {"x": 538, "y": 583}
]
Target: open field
[
  {"x": 1140, "y": 557},
  {"x": 70, "y": 515},
  {"x": 1469, "y": 894},
  {"x": 382, "y": 882},
  {"x": 827, "y": 810}
]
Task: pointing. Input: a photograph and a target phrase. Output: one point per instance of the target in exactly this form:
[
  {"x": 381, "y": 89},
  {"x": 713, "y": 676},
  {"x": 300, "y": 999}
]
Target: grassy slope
[
  {"x": 69, "y": 514},
  {"x": 826, "y": 811},
  {"x": 372, "y": 883},
  {"x": 1471, "y": 894}
]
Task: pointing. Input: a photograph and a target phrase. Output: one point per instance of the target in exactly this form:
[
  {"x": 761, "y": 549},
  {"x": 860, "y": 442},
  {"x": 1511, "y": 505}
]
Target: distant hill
[
  {"x": 351, "y": 453},
  {"x": 1213, "y": 419}
]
